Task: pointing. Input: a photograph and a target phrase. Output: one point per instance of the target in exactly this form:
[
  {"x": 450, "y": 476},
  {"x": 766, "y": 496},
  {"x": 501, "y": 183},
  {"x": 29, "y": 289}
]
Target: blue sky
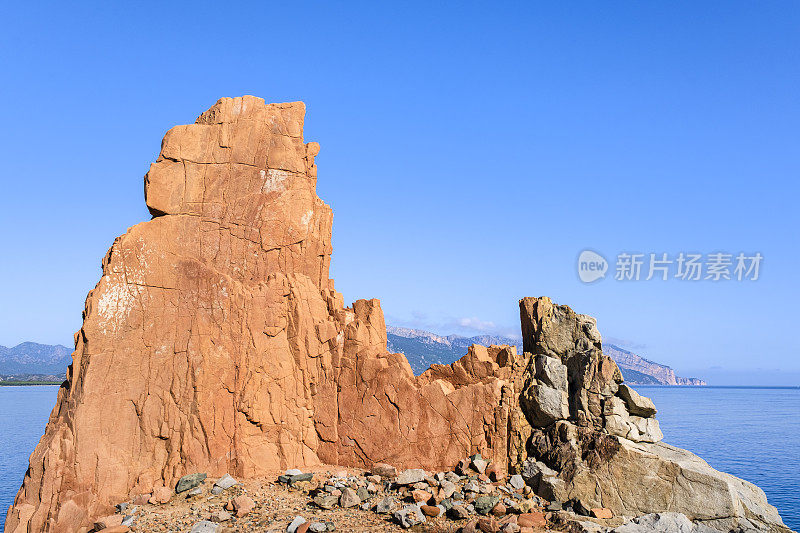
[{"x": 470, "y": 151}]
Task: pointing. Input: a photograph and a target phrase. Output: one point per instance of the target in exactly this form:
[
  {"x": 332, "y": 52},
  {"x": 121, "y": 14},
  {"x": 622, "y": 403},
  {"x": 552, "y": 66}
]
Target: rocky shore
[
  {"x": 473, "y": 497},
  {"x": 215, "y": 343}
]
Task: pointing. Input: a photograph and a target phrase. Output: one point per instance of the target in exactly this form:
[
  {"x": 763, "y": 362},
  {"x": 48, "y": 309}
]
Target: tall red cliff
[{"x": 216, "y": 342}]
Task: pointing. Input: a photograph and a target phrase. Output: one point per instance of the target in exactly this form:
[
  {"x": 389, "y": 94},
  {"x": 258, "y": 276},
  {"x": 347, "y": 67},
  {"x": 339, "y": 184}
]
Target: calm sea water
[{"x": 749, "y": 432}]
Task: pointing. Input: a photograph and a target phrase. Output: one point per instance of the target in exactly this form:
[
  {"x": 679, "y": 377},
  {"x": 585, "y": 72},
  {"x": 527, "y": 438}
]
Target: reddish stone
[
  {"x": 602, "y": 512},
  {"x": 532, "y": 519},
  {"x": 430, "y": 510}
]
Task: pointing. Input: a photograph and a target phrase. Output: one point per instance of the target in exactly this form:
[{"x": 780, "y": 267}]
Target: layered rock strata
[{"x": 215, "y": 342}]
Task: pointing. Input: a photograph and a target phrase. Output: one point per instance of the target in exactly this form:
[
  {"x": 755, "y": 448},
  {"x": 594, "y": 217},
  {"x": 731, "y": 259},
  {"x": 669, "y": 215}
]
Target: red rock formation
[{"x": 215, "y": 341}]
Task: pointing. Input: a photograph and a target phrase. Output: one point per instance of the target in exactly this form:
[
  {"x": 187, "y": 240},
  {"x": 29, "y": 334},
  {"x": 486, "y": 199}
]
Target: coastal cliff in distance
[
  {"x": 662, "y": 374},
  {"x": 215, "y": 343},
  {"x": 423, "y": 348}
]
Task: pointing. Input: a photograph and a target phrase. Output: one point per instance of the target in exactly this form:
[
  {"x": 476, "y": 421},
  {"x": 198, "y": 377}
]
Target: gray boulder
[
  {"x": 189, "y": 482},
  {"x": 386, "y": 505},
  {"x": 409, "y": 516},
  {"x": 349, "y": 498},
  {"x": 409, "y": 477},
  {"x": 226, "y": 482}
]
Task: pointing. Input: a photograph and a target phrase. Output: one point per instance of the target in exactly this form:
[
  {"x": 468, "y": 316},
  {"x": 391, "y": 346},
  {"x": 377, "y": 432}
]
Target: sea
[{"x": 751, "y": 432}]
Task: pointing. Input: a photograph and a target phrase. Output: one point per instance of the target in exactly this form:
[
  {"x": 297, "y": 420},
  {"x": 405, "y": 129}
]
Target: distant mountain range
[
  {"x": 30, "y": 361},
  {"x": 30, "y": 358},
  {"x": 423, "y": 348}
]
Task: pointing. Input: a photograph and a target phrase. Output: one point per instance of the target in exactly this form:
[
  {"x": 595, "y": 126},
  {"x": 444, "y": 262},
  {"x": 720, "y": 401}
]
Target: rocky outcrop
[
  {"x": 607, "y": 453},
  {"x": 215, "y": 342}
]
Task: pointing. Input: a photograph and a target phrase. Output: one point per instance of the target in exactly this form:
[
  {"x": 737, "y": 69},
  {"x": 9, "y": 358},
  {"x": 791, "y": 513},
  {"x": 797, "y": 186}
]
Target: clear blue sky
[{"x": 470, "y": 151}]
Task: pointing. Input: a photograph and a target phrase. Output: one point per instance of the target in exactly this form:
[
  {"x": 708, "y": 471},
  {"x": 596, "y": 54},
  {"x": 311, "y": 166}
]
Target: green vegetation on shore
[{"x": 27, "y": 383}]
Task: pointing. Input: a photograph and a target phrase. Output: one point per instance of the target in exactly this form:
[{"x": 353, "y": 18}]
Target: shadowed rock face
[{"x": 215, "y": 342}]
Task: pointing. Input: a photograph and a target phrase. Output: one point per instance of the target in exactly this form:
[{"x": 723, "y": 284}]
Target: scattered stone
[
  {"x": 226, "y": 482},
  {"x": 554, "y": 506},
  {"x": 349, "y": 498},
  {"x": 409, "y": 477},
  {"x": 430, "y": 510},
  {"x": 386, "y": 505},
  {"x": 363, "y": 494},
  {"x": 197, "y": 491},
  {"x": 204, "y": 526},
  {"x": 472, "y": 486},
  {"x": 243, "y": 504},
  {"x": 499, "y": 509},
  {"x": 535, "y": 519},
  {"x": 384, "y": 470},
  {"x": 295, "y": 478},
  {"x": 189, "y": 481},
  {"x": 458, "y": 512},
  {"x": 517, "y": 482},
  {"x": 122, "y": 507},
  {"x": 421, "y": 496},
  {"x": 478, "y": 463},
  {"x": 488, "y": 525},
  {"x": 484, "y": 504},
  {"x": 296, "y": 523},
  {"x": 220, "y": 516},
  {"x": 409, "y": 516},
  {"x": 318, "y": 527},
  {"x": 495, "y": 473},
  {"x": 326, "y": 501}
]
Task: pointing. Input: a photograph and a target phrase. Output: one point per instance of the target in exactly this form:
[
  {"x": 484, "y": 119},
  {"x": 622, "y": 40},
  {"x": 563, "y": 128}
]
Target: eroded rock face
[{"x": 215, "y": 341}]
